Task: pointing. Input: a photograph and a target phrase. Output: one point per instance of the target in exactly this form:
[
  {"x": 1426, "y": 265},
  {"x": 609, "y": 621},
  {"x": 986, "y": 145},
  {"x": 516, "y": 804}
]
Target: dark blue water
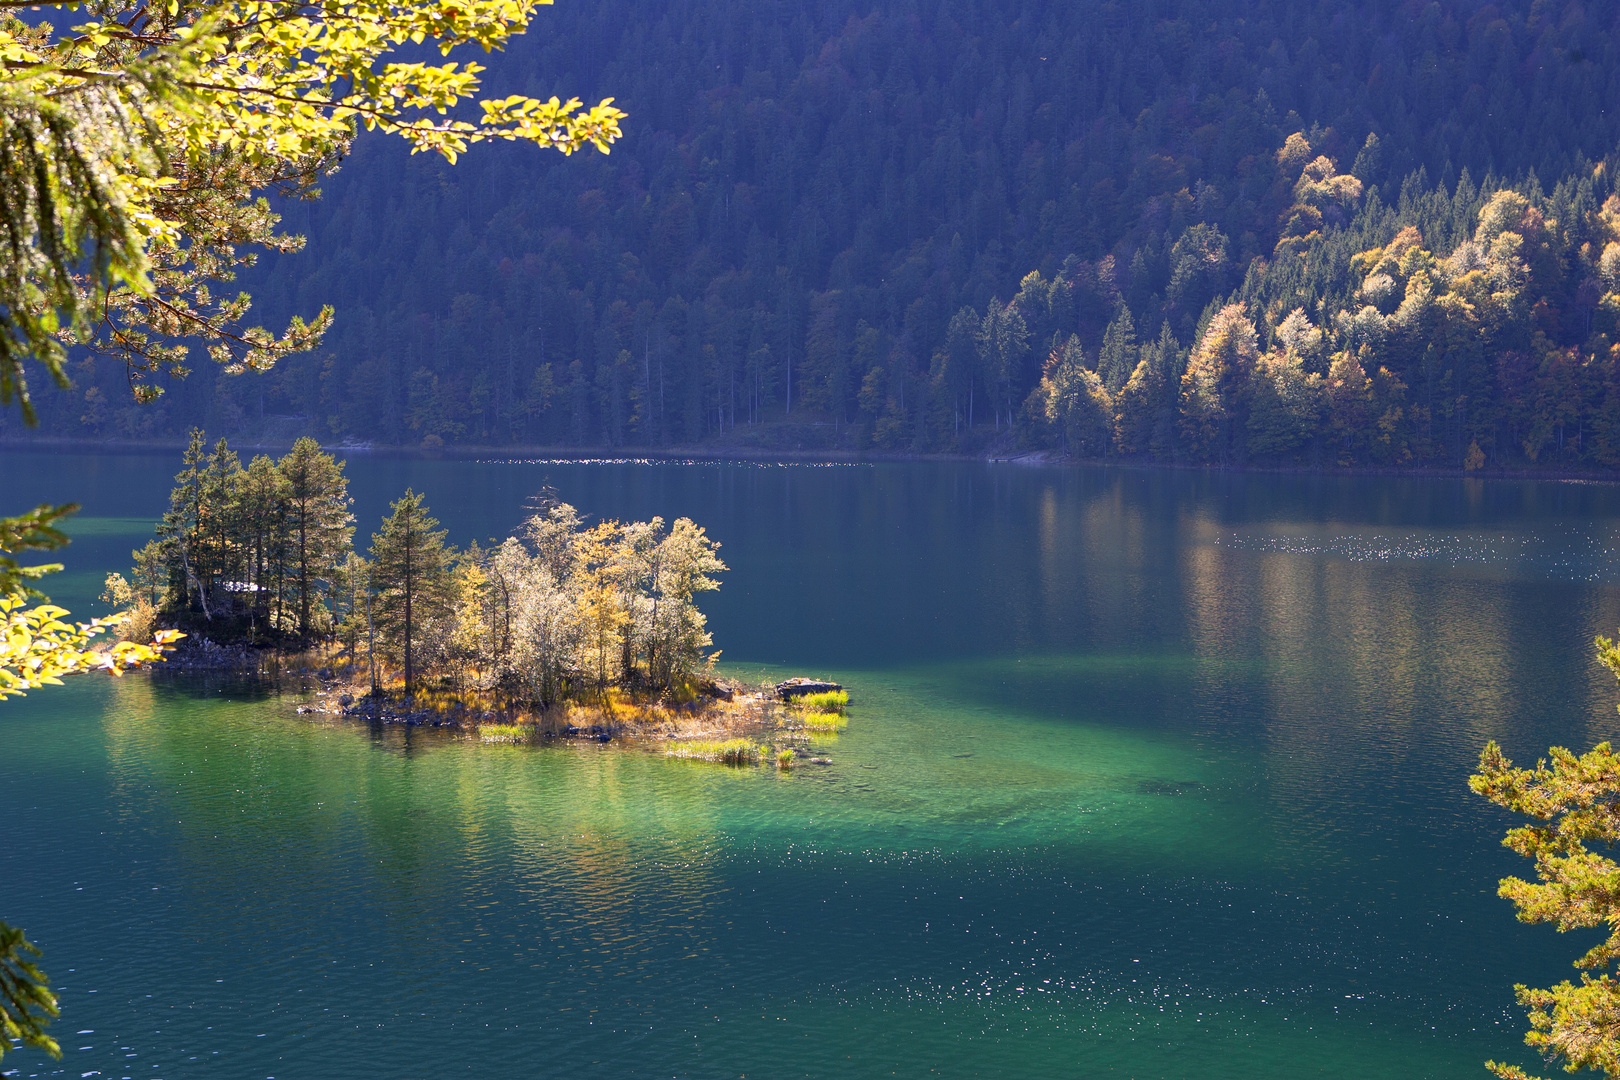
[{"x": 1147, "y": 774}]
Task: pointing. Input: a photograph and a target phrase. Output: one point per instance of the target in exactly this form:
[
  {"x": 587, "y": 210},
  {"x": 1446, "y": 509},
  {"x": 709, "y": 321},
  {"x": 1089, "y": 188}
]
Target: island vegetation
[
  {"x": 263, "y": 555},
  {"x": 564, "y": 627}
]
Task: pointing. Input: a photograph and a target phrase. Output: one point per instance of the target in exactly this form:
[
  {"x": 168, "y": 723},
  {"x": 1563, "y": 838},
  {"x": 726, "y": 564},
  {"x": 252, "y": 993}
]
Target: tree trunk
[
  {"x": 410, "y": 670},
  {"x": 191, "y": 579},
  {"x": 303, "y": 577}
]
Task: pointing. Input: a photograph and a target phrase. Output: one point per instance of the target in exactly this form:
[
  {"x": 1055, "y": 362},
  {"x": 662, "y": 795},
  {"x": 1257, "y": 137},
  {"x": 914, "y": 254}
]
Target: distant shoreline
[{"x": 708, "y": 453}]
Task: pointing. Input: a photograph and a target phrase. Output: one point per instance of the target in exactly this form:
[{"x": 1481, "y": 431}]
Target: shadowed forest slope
[{"x": 821, "y": 226}]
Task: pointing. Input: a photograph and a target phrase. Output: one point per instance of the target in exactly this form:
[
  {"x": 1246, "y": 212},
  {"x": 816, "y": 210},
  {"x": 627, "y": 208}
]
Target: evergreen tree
[
  {"x": 262, "y": 512},
  {"x": 1117, "y": 361},
  {"x": 183, "y": 520},
  {"x": 27, "y": 1004},
  {"x": 1003, "y": 351},
  {"x": 1137, "y": 408},
  {"x": 352, "y": 598},
  {"x": 150, "y": 578},
  {"x": 318, "y": 518},
  {"x": 1284, "y": 407},
  {"x": 956, "y": 369},
  {"x": 410, "y": 575}
]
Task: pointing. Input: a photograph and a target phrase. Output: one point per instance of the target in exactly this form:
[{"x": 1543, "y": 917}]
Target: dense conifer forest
[{"x": 1363, "y": 233}]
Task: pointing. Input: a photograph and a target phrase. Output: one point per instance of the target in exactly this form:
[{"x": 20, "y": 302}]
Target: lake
[{"x": 1148, "y": 774}]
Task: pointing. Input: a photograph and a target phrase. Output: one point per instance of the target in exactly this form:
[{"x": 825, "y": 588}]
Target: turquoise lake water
[{"x": 1148, "y": 774}]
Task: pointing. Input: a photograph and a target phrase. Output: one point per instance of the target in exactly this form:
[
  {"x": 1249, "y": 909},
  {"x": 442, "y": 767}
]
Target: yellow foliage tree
[
  {"x": 1574, "y": 805},
  {"x": 37, "y": 647},
  {"x": 1214, "y": 387},
  {"x": 1073, "y": 397}
]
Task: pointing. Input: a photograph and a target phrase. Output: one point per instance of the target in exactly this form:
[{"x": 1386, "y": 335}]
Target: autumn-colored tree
[
  {"x": 597, "y": 589},
  {"x": 470, "y": 644},
  {"x": 38, "y": 648},
  {"x": 1075, "y": 398},
  {"x": 1214, "y": 390},
  {"x": 1574, "y": 804},
  {"x": 141, "y": 137},
  {"x": 685, "y": 563},
  {"x": 150, "y": 578}
]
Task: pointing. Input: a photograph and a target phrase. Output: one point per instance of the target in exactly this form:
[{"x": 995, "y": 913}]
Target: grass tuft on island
[
  {"x": 829, "y": 701},
  {"x": 505, "y": 733},
  {"x": 821, "y": 712},
  {"x": 724, "y": 752}
]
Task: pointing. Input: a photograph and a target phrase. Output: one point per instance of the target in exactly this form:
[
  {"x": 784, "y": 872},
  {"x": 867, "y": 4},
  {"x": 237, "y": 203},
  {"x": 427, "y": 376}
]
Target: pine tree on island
[
  {"x": 318, "y": 508},
  {"x": 410, "y": 574}
]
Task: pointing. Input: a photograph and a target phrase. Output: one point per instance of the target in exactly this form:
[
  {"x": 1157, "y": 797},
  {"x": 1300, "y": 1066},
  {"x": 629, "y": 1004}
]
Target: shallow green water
[{"x": 1148, "y": 774}]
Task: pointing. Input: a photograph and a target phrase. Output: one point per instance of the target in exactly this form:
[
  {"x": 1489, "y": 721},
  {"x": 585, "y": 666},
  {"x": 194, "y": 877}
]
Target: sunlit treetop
[{"x": 287, "y": 79}]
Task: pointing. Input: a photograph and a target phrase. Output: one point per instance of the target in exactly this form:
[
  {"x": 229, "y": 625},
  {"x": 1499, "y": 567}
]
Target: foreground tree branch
[
  {"x": 134, "y": 148},
  {"x": 1574, "y": 803}
]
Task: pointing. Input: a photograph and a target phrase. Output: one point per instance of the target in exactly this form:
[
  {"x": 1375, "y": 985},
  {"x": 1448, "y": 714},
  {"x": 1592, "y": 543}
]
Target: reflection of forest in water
[
  {"x": 1366, "y": 637},
  {"x": 420, "y": 833}
]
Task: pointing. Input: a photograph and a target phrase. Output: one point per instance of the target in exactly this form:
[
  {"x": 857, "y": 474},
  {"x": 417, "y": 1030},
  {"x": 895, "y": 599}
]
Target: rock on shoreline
[
  {"x": 197, "y": 653},
  {"x": 799, "y": 686}
]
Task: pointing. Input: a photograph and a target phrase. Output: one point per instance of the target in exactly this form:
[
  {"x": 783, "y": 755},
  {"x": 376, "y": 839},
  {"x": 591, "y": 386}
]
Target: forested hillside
[{"x": 1192, "y": 229}]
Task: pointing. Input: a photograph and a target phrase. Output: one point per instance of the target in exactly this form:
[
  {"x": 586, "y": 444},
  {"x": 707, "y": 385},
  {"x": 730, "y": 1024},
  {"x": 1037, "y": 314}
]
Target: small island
[{"x": 564, "y": 629}]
